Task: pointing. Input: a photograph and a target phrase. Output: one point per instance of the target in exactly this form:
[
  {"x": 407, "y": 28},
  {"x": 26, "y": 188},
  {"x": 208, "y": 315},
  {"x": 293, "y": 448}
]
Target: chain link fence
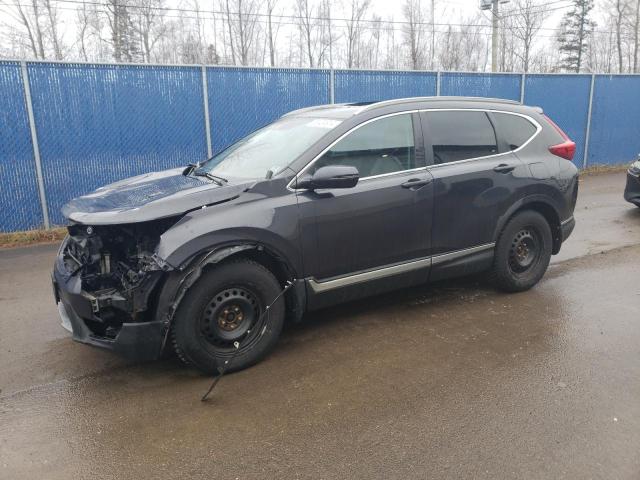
[
  {"x": 19, "y": 201},
  {"x": 68, "y": 128}
]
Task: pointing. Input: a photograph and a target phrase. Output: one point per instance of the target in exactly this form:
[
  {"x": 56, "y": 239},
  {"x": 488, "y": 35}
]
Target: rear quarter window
[{"x": 514, "y": 130}]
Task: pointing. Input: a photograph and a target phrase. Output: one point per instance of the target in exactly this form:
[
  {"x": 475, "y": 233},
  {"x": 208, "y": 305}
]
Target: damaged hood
[{"x": 149, "y": 197}]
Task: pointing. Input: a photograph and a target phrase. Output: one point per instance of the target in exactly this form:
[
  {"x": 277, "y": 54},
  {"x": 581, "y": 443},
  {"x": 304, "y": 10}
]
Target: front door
[{"x": 382, "y": 222}]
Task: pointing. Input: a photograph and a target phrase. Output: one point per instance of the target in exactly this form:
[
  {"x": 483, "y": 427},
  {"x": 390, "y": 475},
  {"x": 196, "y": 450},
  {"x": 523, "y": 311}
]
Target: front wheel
[
  {"x": 523, "y": 252},
  {"x": 225, "y": 306}
]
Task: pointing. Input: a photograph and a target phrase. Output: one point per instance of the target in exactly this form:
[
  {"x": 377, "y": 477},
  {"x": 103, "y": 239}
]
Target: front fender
[
  {"x": 268, "y": 222},
  {"x": 181, "y": 256}
]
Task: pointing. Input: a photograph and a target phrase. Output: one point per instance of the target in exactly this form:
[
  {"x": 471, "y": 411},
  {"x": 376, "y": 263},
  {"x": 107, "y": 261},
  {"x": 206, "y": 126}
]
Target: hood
[{"x": 148, "y": 197}]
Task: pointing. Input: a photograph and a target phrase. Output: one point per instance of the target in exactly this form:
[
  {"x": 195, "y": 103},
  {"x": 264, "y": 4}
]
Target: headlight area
[{"x": 114, "y": 268}]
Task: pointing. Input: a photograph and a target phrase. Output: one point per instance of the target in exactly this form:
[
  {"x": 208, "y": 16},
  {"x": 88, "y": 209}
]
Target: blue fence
[
  {"x": 364, "y": 86},
  {"x": 243, "y": 99},
  {"x": 19, "y": 201},
  {"x": 96, "y": 124},
  {"x": 496, "y": 85}
]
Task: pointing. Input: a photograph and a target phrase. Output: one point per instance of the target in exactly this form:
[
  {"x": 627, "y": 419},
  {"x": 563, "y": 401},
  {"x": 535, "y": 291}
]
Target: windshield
[{"x": 269, "y": 150}]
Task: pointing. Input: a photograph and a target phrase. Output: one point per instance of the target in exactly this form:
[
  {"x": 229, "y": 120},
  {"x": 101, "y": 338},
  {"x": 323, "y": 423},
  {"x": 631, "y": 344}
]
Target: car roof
[{"x": 346, "y": 110}]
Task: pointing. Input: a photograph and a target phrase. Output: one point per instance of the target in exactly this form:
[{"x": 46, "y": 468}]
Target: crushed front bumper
[
  {"x": 138, "y": 341},
  {"x": 632, "y": 189}
]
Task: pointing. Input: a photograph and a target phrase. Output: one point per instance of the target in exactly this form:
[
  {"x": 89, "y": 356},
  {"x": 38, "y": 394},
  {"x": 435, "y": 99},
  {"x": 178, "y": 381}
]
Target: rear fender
[{"x": 544, "y": 205}]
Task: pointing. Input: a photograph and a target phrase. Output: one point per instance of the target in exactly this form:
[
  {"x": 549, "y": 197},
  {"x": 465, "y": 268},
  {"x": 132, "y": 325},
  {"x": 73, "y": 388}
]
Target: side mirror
[{"x": 332, "y": 176}]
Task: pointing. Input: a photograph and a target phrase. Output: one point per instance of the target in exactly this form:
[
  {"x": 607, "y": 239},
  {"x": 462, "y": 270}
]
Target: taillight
[{"x": 566, "y": 149}]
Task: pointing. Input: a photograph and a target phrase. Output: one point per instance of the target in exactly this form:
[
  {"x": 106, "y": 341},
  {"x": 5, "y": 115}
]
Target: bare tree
[
  {"x": 149, "y": 24},
  {"x": 618, "y": 12},
  {"x": 391, "y": 46},
  {"x": 525, "y": 20},
  {"x": 413, "y": 32},
  {"x": 432, "y": 53},
  {"x": 449, "y": 55},
  {"x": 253, "y": 32},
  {"x": 241, "y": 17},
  {"x": 316, "y": 37},
  {"x": 462, "y": 47},
  {"x": 307, "y": 27},
  {"x": 372, "y": 52},
  {"x": 52, "y": 27},
  {"x": 508, "y": 45},
  {"x": 636, "y": 35},
  {"x": 357, "y": 12},
  {"x": 83, "y": 25},
  {"x": 29, "y": 17},
  {"x": 271, "y": 35},
  {"x": 474, "y": 44}
]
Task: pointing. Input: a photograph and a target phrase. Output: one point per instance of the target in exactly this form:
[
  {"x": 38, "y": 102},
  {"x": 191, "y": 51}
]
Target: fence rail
[{"x": 67, "y": 128}]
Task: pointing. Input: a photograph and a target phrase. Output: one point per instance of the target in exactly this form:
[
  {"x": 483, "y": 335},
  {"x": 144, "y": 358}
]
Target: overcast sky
[
  {"x": 449, "y": 11},
  {"x": 454, "y": 12}
]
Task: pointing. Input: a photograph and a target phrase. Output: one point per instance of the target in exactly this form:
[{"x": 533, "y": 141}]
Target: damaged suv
[{"x": 336, "y": 201}]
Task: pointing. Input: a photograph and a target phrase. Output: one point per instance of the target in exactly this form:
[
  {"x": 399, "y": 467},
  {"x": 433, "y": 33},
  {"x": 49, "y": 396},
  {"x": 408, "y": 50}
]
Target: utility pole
[
  {"x": 493, "y": 5},
  {"x": 495, "y": 35}
]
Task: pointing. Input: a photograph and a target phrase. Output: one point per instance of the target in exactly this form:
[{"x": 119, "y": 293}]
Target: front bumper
[
  {"x": 632, "y": 190},
  {"x": 140, "y": 341}
]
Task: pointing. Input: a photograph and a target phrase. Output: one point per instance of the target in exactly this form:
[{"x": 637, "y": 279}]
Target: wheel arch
[
  {"x": 179, "y": 281},
  {"x": 545, "y": 207}
]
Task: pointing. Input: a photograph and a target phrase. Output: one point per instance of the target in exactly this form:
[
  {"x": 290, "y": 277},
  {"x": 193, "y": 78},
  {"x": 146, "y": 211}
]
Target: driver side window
[{"x": 381, "y": 146}]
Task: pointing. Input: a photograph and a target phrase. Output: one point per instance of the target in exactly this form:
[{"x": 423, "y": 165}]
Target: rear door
[{"x": 476, "y": 177}]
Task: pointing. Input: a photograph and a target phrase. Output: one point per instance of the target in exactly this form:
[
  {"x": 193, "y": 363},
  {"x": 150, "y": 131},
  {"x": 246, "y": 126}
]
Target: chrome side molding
[
  {"x": 447, "y": 257},
  {"x": 366, "y": 276}
]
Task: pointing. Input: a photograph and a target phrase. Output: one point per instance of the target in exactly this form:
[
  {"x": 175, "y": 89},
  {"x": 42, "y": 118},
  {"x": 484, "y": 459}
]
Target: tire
[
  {"x": 224, "y": 306},
  {"x": 522, "y": 253}
]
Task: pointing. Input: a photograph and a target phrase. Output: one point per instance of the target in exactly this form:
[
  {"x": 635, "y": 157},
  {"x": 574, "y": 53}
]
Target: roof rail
[
  {"x": 398, "y": 101},
  {"x": 314, "y": 107}
]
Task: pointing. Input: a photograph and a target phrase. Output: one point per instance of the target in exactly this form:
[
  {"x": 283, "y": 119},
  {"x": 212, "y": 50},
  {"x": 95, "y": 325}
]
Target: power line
[
  {"x": 386, "y": 25},
  {"x": 538, "y": 9}
]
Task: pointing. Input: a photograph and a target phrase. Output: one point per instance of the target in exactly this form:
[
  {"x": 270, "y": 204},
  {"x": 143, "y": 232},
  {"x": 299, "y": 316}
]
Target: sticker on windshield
[{"x": 324, "y": 123}]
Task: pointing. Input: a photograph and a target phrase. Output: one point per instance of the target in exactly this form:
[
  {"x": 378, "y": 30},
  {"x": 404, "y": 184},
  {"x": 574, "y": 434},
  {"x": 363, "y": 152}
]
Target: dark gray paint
[{"x": 328, "y": 234}]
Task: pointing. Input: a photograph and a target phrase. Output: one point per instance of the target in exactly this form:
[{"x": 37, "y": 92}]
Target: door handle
[
  {"x": 415, "y": 183},
  {"x": 504, "y": 168}
]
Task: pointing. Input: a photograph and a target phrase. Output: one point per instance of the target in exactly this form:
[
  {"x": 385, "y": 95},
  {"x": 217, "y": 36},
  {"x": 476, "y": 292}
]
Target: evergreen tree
[{"x": 577, "y": 29}]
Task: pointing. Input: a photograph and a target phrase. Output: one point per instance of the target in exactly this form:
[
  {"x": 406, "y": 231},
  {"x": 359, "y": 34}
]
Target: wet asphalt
[{"x": 452, "y": 380}]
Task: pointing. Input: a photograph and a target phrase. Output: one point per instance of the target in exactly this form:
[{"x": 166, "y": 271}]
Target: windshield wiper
[{"x": 218, "y": 180}]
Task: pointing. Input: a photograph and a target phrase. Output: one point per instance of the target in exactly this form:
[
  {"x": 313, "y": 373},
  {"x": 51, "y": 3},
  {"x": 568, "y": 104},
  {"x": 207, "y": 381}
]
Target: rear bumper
[
  {"x": 136, "y": 341},
  {"x": 632, "y": 189},
  {"x": 566, "y": 227}
]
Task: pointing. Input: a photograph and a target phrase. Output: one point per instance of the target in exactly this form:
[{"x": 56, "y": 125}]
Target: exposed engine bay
[{"x": 117, "y": 269}]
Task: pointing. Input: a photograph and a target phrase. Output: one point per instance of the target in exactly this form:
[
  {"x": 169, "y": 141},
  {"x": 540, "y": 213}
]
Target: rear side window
[
  {"x": 460, "y": 135},
  {"x": 513, "y": 129}
]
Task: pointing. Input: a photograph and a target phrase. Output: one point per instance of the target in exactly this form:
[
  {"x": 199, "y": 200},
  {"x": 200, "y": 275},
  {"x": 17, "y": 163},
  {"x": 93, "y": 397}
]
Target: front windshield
[{"x": 269, "y": 150}]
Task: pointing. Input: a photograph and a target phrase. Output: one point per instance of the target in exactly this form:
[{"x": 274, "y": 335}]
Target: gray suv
[{"x": 337, "y": 202}]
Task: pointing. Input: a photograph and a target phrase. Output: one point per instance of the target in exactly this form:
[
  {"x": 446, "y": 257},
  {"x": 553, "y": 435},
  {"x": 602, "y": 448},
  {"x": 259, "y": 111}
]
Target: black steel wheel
[
  {"x": 523, "y": 252},
  {"x": 232, "y": 315},
  {"x": 223, "y": 308}
]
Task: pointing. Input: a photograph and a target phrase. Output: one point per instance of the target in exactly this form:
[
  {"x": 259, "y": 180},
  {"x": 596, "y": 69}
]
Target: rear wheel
[
  {"x": 523, "y": 252},
  {"x": 225, "y": 306}
]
